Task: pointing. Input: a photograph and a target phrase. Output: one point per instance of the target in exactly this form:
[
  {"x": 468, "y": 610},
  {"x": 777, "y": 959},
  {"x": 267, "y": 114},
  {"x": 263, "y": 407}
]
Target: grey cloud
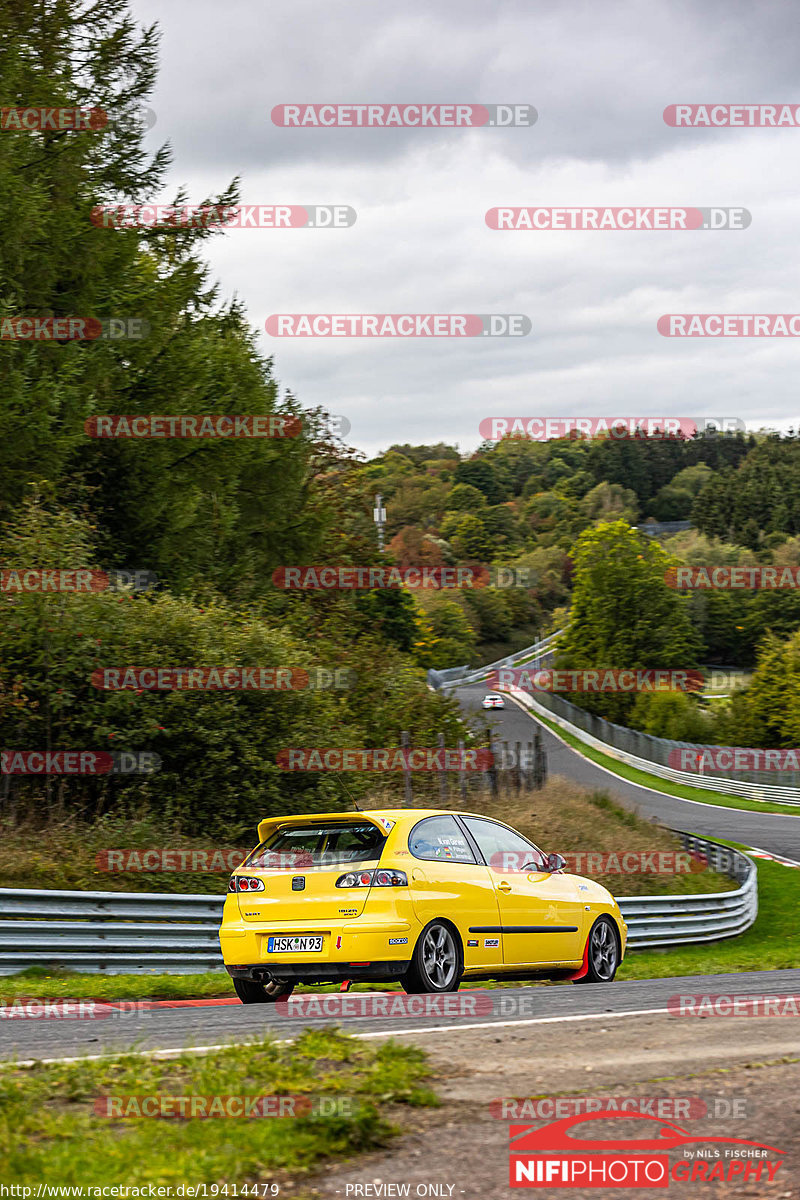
[{"x": 600, "y": 76}]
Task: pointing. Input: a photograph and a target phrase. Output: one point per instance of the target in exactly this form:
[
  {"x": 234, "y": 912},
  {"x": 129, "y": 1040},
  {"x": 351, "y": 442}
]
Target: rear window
[{"x": 324, "y": 844}]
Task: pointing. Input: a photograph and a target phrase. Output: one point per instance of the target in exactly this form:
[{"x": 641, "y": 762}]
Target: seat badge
[{"x": 298, "y": 883}]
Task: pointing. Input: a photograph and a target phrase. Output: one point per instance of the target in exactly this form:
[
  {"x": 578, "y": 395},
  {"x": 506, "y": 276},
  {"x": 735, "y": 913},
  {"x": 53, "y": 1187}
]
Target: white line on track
[
  {"x": 177, "y": 1051},
  {"x": 605, "y": 1016}
]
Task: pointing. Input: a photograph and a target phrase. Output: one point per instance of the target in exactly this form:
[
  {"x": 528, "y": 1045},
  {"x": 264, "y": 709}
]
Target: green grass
[
  {"x": 71, "y": 855},
  {"x": 663, "y": 785},
  {"x": 47, "y": 984},
  {"x": 51, "y": 1133},
  {"x": 772, "y": 944}
]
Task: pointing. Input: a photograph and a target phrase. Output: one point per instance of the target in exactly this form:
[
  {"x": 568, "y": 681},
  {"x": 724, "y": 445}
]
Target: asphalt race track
[
  {"x": 174, "y": 1025},
  {"x": 774, "y": 832},
  {"x": 171, "y": 1026}
]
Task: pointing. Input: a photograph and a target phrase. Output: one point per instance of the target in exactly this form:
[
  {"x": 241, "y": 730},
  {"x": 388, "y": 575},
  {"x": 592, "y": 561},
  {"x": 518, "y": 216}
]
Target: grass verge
[
  {"x": 663, "y": 785},
  {"x": 51, "y": 1132},
  {"x": 74, "y": 855},
  {"x": 771, "y": 944},
  {"x": 45, "y": 984}
]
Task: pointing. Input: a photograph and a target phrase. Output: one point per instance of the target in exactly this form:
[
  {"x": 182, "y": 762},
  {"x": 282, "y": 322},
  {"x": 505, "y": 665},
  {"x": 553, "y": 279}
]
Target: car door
[
  {"x": 447, "y": 880},
  {"x": 542, "y": 919}
]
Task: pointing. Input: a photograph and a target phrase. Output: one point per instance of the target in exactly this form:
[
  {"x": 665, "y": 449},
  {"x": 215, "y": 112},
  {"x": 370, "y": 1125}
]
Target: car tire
[
  {"x": 438, "y": 961},
  {"x": 251, "y": 992},
  {"x": 602, "y": 952}
]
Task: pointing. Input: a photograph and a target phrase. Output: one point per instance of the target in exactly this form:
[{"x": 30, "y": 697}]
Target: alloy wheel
[
  {"x": 603, "y": 951},
  {"x": 439, "y": 957}
]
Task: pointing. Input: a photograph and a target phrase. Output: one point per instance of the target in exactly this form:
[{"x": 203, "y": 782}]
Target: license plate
[{"x": 294, "y": 945}]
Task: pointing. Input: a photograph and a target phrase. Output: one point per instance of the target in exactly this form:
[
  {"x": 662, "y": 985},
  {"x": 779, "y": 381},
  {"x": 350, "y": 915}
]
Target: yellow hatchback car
[{"x": 422, "y": 897}]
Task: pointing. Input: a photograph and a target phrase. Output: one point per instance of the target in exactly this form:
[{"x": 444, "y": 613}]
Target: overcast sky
[{"x": 599, "y": 76}]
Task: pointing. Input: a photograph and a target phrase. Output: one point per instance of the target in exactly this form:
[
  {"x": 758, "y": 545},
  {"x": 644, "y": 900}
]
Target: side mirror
[{"x": 555, "y": 862}]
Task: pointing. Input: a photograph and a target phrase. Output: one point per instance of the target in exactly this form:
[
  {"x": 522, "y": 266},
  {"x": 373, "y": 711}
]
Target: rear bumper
[
  {"x": 319, "y": 972},
  {"x": 361, "y": 940}
]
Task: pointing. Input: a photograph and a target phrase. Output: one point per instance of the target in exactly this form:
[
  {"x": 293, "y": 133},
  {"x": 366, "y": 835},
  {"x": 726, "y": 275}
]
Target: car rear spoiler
[{"x": 269, "y": 824}]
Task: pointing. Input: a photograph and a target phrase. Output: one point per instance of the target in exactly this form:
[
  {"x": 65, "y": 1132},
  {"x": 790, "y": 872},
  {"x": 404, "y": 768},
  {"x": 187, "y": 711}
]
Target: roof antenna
[{"x": 349, "y": 793}]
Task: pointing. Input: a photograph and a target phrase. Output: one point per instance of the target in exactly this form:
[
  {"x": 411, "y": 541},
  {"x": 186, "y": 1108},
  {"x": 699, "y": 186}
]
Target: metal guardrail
[
  {"x": 548, "y": 706},
  {"x": 663, "y": 528},
  {"x": 143, "y": 932},
  {"x": 707, "y": 917},
  {"x": 457, "y": 676},
  {"x": 110, "y": 932}
]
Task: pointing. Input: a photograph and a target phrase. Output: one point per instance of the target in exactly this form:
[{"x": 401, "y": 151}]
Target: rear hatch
[{"x": 300, "y": 860}]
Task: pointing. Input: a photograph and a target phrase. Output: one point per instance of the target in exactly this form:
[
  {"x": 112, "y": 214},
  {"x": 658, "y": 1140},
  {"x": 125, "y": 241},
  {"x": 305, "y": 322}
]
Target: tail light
[
  {"x": 382, "y": 877},
  {"x": 245, "y": 883}
]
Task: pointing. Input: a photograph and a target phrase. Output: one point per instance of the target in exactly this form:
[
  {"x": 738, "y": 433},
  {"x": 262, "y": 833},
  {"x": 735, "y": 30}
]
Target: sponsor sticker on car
[
  {"x": 290, "y": 945},
  {"x": 491, "y": 943},
  {"x": 398, "y": 941}
]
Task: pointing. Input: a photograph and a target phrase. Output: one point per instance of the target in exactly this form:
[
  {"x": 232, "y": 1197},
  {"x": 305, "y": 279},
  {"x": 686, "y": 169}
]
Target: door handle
[{"x": 504, "y": 885}]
